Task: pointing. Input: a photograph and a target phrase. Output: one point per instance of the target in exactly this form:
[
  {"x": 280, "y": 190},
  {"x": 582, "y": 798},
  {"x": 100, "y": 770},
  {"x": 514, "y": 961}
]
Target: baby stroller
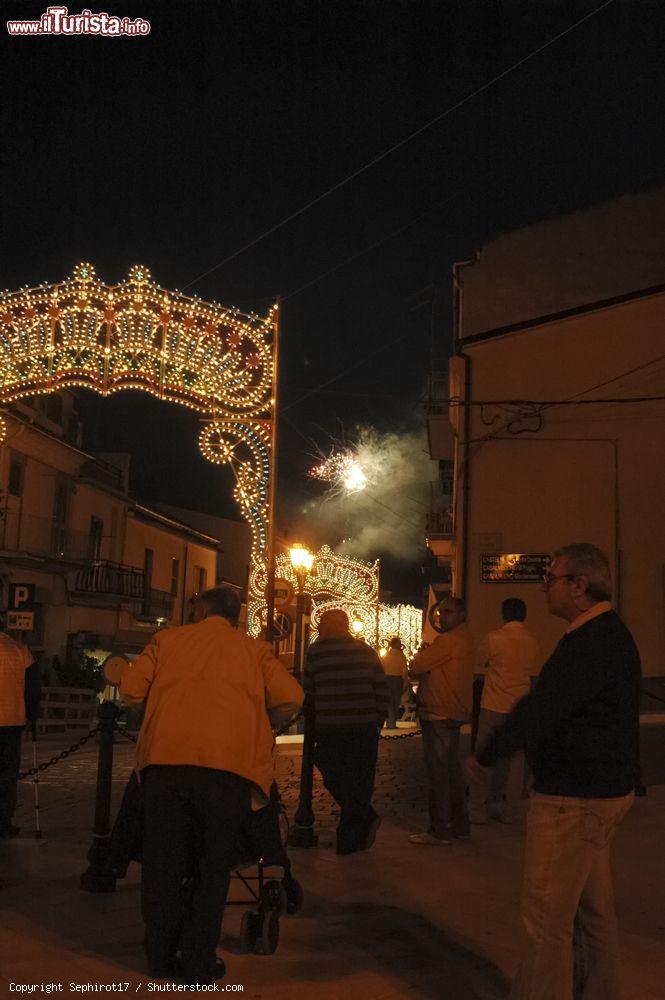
[{"x": 261, "y": 843}]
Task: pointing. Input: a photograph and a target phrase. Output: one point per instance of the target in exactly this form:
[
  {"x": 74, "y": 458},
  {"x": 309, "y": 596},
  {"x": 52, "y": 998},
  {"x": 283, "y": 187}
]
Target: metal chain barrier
[
  {"x": 61, "y": 756},
  {"x": 122, "y": 732},
  {"x": 403, "y": 736}
]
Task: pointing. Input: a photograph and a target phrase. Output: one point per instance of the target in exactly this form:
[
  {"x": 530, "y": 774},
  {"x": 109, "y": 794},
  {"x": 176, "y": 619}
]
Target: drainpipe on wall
[
  {"x": 462, "y": 469},
  {"x": 184, "y": 586}
]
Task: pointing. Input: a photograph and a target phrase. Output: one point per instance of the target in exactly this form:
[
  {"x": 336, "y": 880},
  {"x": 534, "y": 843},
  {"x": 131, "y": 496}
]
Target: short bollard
[
  {"x": 302, "y": 832},
  {"x": 100, "y": 876}
]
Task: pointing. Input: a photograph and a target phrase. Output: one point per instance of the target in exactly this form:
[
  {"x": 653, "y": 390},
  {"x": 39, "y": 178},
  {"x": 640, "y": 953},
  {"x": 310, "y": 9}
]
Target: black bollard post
[
  {"x": 302, "y": 832},
  {"x": 100, "y": 876}
]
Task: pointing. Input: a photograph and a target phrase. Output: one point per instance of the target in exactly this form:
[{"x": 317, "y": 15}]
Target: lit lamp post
[
  {"x": 301, "y": 563},
  {"x": 302, "y": 832},
  {"x": 357, "y": 626}
]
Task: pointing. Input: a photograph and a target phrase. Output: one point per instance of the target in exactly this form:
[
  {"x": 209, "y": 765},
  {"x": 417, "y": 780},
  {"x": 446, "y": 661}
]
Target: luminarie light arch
[{"x": 218, "y": 361}]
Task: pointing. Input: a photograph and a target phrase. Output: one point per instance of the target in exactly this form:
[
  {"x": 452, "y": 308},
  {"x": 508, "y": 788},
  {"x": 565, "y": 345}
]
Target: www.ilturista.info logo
[{"x": 58, "y": 21}]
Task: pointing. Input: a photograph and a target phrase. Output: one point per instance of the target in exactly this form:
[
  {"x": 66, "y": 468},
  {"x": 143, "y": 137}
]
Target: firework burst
[{"x": 343, "y": 470}]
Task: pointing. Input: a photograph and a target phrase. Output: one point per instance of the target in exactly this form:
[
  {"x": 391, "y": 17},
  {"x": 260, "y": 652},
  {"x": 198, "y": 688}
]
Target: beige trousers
[{"x": 568, "y": 900}]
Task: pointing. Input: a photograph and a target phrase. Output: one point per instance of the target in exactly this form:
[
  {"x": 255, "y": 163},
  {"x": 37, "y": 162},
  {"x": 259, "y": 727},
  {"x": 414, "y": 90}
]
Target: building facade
[
  {"x": 558, "y": 435},
  {"x": 102, "y": 572}
]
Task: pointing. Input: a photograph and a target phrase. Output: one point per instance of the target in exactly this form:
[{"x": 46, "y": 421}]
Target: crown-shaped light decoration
[
  {"x": 341, "y": 582},
  {"x": 137, "y": 335}
]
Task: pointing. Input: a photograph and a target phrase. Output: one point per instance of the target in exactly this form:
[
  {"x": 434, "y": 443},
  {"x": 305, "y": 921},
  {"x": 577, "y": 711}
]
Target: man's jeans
[
  {"x": 10, "y": 765},
  {"x": 505, "y": 778},
  {"x": 568, "y": 902},
  {"x": 395, "y": 688},
  {"x": 448, "y": 816}
]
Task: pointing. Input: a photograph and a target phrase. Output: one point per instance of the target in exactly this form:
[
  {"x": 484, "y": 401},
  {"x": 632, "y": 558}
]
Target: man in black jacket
[{"x": 578, "y": 730}]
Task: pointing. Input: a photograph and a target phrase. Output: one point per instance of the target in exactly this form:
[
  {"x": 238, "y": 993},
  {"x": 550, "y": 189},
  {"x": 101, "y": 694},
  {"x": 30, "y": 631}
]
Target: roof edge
[{"x": 528, "y": 324}]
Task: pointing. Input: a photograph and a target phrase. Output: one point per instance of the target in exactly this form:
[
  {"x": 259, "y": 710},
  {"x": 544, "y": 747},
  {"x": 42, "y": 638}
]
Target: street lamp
[
  {"x": 301, "y": 563},
  {"x": 357, "y": 626},
  {"x": 302, "y": 832}
]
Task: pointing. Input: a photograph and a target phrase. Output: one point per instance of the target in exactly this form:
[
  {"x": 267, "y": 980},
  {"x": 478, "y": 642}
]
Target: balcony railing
[
  {"x": 42, "y": 536},
  {"x": 111, "y": 579},
  {"x": 439, "y": 522},
  {"x": 157, "y": 604},
  {"x": 125, "y": 583}
]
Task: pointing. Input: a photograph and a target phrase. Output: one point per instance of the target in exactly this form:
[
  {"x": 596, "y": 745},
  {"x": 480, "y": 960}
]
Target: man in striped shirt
[{"x": 346, "y": 703}]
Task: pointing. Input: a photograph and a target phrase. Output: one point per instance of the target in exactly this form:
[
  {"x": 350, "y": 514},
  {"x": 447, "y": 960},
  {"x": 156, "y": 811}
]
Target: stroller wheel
[
  {"x": 266, "y": 943},
  {"x": 250, "y": 928},
  {"x": 274, "y": 897},
  {"x": 294, "y": 895}
]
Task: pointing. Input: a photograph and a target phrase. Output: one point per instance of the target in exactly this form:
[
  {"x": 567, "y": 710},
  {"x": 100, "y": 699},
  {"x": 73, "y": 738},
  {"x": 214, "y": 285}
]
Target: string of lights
[{"x": 218, "y": 361}]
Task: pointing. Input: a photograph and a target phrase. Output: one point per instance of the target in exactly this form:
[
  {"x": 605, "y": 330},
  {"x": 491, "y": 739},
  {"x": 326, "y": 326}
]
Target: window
[
  {"x": 199, "y": 579},
  {"x": 54, "y": 408},
  {"x": 148, "y": 559},
  {"x": 447, "y": 476},
  {"x": 16, "y": 475},
  {"x": 175, "y": 573},
  {"x": 96, "y": 535},
  {"x": 60, "y": 512}
]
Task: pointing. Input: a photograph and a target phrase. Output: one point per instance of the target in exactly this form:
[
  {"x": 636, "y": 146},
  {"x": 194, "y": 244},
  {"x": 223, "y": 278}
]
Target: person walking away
[
  {"x": 578, "y": 731},
  {"x": 445, "y": 674},
  {"x": 19, "y": 704},
  {"x": 205, "y": 756},
  {"x": 510, "y": 657},
  {"x": 396, "y": 671},
  {"x": 346, "y": 701}
]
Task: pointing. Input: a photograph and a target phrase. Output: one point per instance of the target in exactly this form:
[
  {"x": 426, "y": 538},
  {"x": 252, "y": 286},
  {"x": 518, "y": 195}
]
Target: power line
[
  {"x": 357, "y": 364},
  {"x": 403, "y": 142}
]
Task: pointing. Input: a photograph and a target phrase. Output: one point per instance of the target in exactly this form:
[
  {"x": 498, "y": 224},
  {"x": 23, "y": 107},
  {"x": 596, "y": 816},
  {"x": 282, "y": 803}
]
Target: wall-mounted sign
[
  {"x": 513, "y": 567},
  {"x": 20, "y": 621},
  {"x": 21, "y": 597},
  {"x": 283, "y": 593}
]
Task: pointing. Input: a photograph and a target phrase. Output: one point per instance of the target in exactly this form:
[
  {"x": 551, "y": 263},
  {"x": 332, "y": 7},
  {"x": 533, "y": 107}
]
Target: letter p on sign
[{"x": 21, "y": 596}]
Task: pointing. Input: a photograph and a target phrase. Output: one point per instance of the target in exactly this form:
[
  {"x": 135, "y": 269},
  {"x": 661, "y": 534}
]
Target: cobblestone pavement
[{"x": 397, "y": 921}]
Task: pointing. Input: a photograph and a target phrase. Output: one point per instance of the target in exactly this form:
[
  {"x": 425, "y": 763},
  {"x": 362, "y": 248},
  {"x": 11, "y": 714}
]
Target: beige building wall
[
  {"x": 570, "y": 473},
  {"x": 74, "y": 592},
  {"x": 196, "y": 561}
]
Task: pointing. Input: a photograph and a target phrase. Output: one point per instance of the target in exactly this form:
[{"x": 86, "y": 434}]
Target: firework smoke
[{"x": 377, "y": 496}]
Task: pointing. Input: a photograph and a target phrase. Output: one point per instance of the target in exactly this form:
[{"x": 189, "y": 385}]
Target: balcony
[
  {"x": 111, "y": 580},
  {"x": 440, "y": 531},
  {"x": 157, "y": 604},
  {"x": 439, "y": 522},
  {"x": 28, "y": 536},
  {"x": 107, "y": 582}
]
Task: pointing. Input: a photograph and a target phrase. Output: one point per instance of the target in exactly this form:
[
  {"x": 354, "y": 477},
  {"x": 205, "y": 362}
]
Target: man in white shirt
[
  {"x": 396, "y": 670},
  {"x": 511, "y": 657}
]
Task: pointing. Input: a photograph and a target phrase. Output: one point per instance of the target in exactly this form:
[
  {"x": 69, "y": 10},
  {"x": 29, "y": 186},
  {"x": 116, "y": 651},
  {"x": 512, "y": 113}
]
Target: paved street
[{"x": 399, "y": 921}]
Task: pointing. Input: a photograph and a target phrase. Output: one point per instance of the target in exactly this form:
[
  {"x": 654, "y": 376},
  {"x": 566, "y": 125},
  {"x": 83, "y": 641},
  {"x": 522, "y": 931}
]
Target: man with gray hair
[{"x": 578, "y": 729}]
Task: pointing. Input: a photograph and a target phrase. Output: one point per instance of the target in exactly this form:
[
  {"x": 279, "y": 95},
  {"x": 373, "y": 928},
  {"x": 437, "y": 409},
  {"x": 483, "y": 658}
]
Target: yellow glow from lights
[
  {"x": 301, "y": 558},
  {"x": 357, "y": 626},
  {"x": 82, "y": 333}
]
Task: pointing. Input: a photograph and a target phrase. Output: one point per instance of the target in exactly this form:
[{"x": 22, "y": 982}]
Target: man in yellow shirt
[
  {"x": 204, "y": 752},
  {"x": 445, "y": 674},
  {"x": 510, "y": 655}
]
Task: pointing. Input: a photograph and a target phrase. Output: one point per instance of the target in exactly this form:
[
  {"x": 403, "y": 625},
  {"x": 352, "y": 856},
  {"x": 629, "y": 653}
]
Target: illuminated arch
[
  {"x": 137, "y": 335},
  {"x": 343, "y": 582}
]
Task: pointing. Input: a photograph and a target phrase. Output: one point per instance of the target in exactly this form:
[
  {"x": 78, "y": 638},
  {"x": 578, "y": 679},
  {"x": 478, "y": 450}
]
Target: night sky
[{"x": 178, "y": 149}]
